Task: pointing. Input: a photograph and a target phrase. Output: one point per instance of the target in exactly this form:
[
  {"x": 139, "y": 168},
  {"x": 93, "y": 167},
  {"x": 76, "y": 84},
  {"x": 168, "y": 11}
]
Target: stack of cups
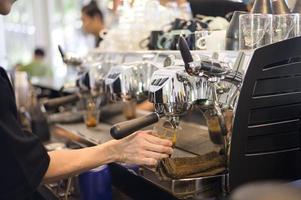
[
  {"x": 297, "y": 9},
  {"x": 257, "y": 30},
  {"x": 285, "y": 26}
]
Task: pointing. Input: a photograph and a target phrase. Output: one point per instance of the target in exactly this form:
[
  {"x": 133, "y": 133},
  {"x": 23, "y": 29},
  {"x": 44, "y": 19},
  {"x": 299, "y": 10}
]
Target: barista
[
  {"x": 37, "y": 67},
  {"x": 25, "y": 163},
  {"x": 93, "y": 22}
]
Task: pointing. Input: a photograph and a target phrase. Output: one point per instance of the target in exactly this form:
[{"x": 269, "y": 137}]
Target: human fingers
[
  {"x": 146, "y": 161},
  {"x": 158, "y": 148},
  {"x": 155, "y": 155},
  {"x": 153, "y": 138}
]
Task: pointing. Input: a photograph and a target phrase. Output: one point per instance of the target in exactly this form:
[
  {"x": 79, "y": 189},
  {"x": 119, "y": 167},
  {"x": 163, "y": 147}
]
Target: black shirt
[{"x": 24, "y": 160}]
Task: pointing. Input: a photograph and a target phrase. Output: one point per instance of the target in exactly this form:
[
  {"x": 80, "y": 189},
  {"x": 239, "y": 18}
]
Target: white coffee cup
[{"x": 211, "y": 40}]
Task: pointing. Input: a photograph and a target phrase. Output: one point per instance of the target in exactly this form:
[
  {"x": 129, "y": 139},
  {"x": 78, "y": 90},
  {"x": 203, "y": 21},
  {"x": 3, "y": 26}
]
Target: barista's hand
[{"x": 142, "y": 148}]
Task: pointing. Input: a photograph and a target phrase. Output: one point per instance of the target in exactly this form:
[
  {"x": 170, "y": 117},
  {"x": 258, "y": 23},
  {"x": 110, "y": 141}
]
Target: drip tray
[
  {"x": 197, "y": 188},
  {"x": 203, "y": 188}
]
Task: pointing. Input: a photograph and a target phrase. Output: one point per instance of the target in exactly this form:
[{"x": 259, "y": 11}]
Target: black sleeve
[{"x": 24, "y": 160}]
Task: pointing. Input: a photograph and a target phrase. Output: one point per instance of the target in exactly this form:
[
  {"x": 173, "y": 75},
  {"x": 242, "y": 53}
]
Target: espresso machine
[
  {"x": 103, "y": 77},
  {"x": 127, "y": 84},
  {"x": 252, "y": 109},
  {"x": 208, "y": 85},
  {"x": 129, "y": 81},
  {"x": 88, "y": 86},
  {"x": 90, "y": 79}
]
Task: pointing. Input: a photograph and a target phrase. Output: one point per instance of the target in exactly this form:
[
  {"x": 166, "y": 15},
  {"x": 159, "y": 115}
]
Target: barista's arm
[{"x": 141, "y": 148}]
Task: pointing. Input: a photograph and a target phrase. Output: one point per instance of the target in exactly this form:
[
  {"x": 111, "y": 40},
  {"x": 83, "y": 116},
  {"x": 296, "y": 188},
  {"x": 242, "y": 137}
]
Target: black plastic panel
[
  {"x": 275, "y": 100},
  {"x": 274, "y": 128},
  {"x": 271, "y": 143},
  {"x": 277, "y": 86},
  {"x": 282, "y": 62},
  {"x": 282, "y": 168},
  {"x": 274, "y": 114},
  {"x": 266, "y": 140},
  {"x": 282, "y": 70}
]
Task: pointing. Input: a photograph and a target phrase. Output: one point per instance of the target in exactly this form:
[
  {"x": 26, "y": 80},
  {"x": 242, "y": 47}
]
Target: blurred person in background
[
  {"x": 37, "y": 67},
  {"x": 266, "y": 191},
  {"x": 93, "y": 21},
  {"x": 26, "y": 164}
]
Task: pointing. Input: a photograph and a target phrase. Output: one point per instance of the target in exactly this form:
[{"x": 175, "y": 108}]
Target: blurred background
[
  {"x": 32, "y": 33},
  {"x": 49, "y": 23},
  {"x": 44, "y": 24}
]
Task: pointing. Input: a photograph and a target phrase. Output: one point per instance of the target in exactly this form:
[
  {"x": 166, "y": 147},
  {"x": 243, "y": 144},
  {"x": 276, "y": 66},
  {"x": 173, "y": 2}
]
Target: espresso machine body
[
  {"x": 173, "y": 91},
  {"x": 130, "y": 80},
  {"x": 262, "y": 140},
  {"x": 265, "y": 141}
]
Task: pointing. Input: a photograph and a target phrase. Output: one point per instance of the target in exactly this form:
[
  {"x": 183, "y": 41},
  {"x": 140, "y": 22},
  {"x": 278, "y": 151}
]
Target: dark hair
[
  {"x": 39, "y": 52},
  {"x": 92, "y": 10}
]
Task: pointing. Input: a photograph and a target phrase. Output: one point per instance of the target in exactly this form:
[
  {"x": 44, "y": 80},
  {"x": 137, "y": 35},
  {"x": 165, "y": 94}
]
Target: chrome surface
[
  {"x": 130, "y": 80},
  {"x": 193, "y": 188},
  {"x": 197, "y": 143},
  {"x": 174, "y": 92}
]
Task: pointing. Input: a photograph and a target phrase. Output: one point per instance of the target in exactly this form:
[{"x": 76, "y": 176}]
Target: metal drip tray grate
[{"x": 197, "y": 188}]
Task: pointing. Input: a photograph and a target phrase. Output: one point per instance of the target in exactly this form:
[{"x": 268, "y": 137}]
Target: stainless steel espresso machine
[
  {"x": 245, "y": 106},
  {"x": 208, "y": 85},
  {"x": 128, "y": 84},
  {"x": 130, "y": 81}
]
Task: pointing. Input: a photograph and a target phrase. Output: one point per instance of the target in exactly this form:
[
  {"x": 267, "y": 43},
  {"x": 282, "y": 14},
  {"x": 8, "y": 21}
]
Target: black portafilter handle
[
  {"x": 61, "y": 51},
  {"x": 185, "y": 52},
  {"x": 207, "y": 66},
  {"x": 124, "y": 129},
  {"x": 52, "y": 104}
]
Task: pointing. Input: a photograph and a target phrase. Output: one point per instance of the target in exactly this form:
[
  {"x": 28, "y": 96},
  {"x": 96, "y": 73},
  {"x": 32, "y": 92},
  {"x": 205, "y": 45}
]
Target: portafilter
[
  {"x": 89, "y": 83},
  {"x": 130, "y": 81},
  {"x": 216, "y": 73},
  {"x": 173, "y": 92}
]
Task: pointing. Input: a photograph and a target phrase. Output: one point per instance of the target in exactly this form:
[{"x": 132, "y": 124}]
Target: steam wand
[
  {"x": 214, "y": 72},
  {"x": 207, "y": 68}
]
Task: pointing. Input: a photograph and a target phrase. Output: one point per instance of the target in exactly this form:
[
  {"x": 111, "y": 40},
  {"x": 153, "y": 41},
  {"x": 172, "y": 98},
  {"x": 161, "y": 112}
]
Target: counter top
[
  {"x": 93, "y": 136},
  {"x": 97, "y": 135},
  {"x": 192, "y": 140}
]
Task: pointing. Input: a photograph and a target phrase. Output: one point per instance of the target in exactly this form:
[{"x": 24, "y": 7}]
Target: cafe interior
[{"x": 218, "y": 79}]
